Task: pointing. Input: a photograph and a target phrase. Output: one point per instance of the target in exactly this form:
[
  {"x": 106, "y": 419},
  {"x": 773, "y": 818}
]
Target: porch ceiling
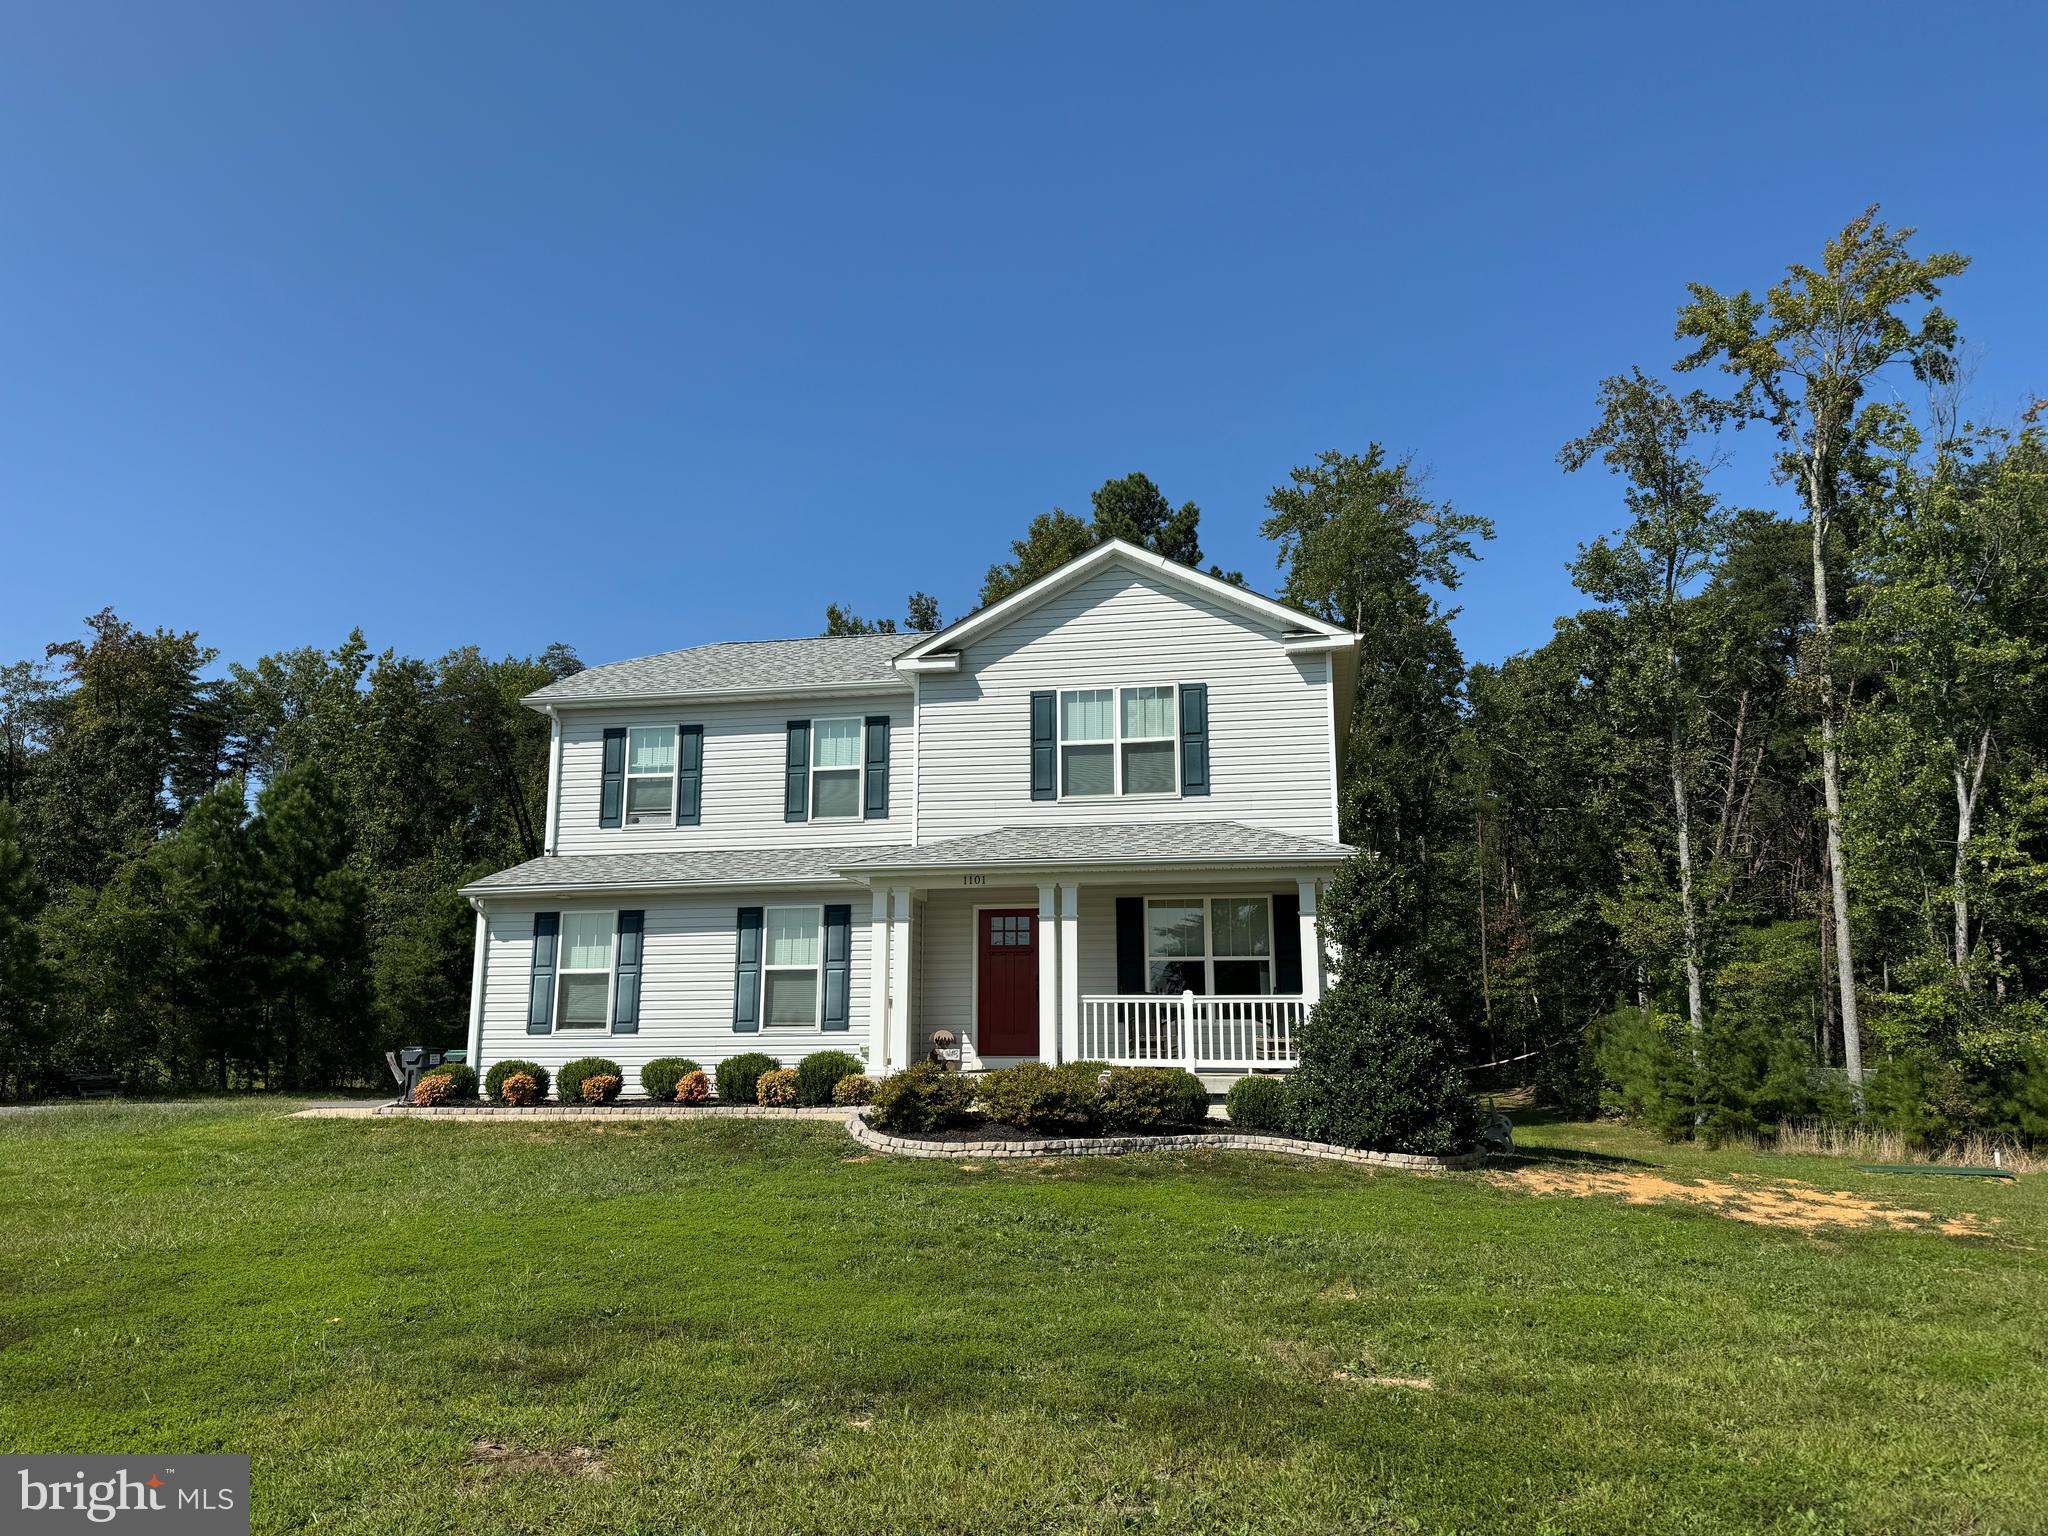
[{"x": 1038, "y": 849}]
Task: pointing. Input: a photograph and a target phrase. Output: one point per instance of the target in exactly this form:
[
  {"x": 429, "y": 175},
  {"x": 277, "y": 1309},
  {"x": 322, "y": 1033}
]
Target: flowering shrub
[
  {"x": 601, "y": 1088},
  {"x": 494, "y": 1080},
  {"x": 819, "y": 1073},
  {"x": 519, "y": 1088},
  {"x": 693, "y": 1088},
  {"x": 659, "y": 1077},
  {"x": 461, "y": 1079},
  {"x": 777, "y": 1088},
  {"x": 433, "y": 1089},
  {"x": 569, "y": 1081},
  {"x": 853, "y": 1090}
]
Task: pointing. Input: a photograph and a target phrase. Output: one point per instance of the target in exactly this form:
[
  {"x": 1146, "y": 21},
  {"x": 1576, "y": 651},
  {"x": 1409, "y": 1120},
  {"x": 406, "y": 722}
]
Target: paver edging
[{"x": 1118, "y": 1146}]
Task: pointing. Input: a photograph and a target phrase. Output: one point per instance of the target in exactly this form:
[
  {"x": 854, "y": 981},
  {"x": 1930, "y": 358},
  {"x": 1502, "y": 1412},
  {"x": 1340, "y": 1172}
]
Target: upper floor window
[
  {"x": 650, "y": 775},
  {"x": 1219, "y": 946},
  {"x": 1118, "y": 741},
  {"x": 835, "y": 768}
]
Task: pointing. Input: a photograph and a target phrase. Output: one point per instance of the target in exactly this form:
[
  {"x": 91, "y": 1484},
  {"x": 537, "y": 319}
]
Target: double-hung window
[
  {"x": 583, "y": 990},
  {"x": 836, "y": 768},
  {"x": 1218, "y": 946},
  {"x": 1118, "y": 741},
  {"x": 650, "y": 775},
  {"x": 790, "y": 954}
]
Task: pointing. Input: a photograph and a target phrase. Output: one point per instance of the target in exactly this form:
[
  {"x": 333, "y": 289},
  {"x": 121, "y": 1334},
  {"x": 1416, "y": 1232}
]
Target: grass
[{"x": 703, "y": 1326}]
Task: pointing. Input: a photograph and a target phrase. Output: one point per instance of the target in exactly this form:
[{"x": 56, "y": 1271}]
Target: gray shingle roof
[
  {"x": 1139, "y": 842},
  {"x": 610, "y": 871},
  {"x": 820, "y": 661}
]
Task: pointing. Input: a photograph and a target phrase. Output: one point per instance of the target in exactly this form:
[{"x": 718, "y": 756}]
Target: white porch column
[
  {"x": 1070, "y": 972},
  {"x": 1048, "y": 976},
  {"x": 878, "y": 981},
  {"x": 900, "y": 978},
  {"x": 1311, "y": 943}
]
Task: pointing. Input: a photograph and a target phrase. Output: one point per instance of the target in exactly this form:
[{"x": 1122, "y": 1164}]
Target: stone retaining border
[
  {"x": 571, "y": 1112},
  {"x": 1117, "y": 1146}
]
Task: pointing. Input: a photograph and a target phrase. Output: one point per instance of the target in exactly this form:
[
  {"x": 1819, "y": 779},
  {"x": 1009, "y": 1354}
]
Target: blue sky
[{"x": 641, "y": 326}]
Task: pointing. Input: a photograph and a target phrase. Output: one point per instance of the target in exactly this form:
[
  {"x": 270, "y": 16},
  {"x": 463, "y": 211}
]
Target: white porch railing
[{"x": 1189, "y": 1031}]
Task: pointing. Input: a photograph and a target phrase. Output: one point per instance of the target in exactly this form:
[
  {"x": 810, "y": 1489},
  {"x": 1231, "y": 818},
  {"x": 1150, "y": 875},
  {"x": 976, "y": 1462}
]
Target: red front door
[{"x": 1007, "y": 992}]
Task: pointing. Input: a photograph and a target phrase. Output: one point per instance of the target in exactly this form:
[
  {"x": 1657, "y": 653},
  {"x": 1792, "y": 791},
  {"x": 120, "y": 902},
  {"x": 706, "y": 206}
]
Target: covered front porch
[{"x": 1189, "y": 945}]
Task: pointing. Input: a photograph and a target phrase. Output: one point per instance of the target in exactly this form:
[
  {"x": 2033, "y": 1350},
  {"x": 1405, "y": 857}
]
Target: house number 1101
[{"x": 974, "y": 879}]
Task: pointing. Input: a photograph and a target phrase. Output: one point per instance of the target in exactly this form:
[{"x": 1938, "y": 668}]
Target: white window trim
[
  {"x": 1115, "y": 741},
  {"x": 1209, "y": 956},
  {"x": 817, "y": 968},
  {"x": 860, "y": 768},
  {"x": 675, "y": 768},
  {"x": 611, "y": 972}
]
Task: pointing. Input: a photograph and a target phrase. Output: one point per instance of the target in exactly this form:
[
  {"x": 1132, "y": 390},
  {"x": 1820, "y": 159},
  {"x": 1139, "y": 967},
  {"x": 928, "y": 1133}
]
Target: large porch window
[{"x": 1218, "y": 946}]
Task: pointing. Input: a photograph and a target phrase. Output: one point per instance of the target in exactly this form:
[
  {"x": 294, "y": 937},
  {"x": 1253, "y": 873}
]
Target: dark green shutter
[
  {"x": 1287, "y": 943},
  {"x": 838, "y": 966},
  {"x": 746, "y": 977},
  {"x": 611, "y": 803},
  {"x": 626, "y": 974},
  {"x": 540, "y": 999},
  {"x": 796, "y": 775},
  {"x": 1131, "y": 970},
  {"x": 689, "y": 775},
  {"x": 876, "y": 807},
  {"x": 1194, "y": 738},
  {"x": 1044, "y": 746}
]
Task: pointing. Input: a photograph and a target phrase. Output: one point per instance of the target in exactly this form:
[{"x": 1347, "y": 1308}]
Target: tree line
[{"x": 1757, "y": 835}]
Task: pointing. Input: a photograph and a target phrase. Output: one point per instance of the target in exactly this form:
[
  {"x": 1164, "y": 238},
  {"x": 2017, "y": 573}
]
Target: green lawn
[{"x": 752, "y": 1329}]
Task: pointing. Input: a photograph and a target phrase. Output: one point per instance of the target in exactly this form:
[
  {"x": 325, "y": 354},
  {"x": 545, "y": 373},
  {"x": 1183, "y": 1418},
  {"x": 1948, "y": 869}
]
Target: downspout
[
  {"x": 554, "y": 781},
  {"x": 916, "y": 751},
  {"x": 479, "y": 979}
]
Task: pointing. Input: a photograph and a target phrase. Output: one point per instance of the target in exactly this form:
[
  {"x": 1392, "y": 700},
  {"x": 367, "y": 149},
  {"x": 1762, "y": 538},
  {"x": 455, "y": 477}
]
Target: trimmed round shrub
[
  {"x": 600, "y": 1088},
  {"x": 433, "y": 1089},
  {"x": 1152, "y": 1098},
  {"x": 659, "y": 1077},
  {"x": 819, "y": 1073},
  {"x": 463, "y": 1079},
  {"x": 569, "y": 1081},
  {"x": 922, "y": 1098},
  {"x": 1092, "y": 1070},
  {"x": 521, "y": 1089},
  {"x": 777, "y": 1089},
  {"x": 1048, "y": 1101},
  {"x": 494, "y": 1080},
  {"x": 854, "y": 1091},
  {"x": 737, "y": 1078},
  {"x": 1260, "y": 1104},
  {"x": 1377, "y": 1069},
  {"x": 694, "y": 1088}
]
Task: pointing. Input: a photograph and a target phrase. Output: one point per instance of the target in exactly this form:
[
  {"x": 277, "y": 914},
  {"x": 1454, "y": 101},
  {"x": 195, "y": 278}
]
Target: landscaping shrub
[
  {"x": 569, "y": 1081},
  {"x": 1377, "y": 1069},
  {"x": 777, "y": 1089},
  {"x": 463, "y": 1079},
  {"x": 600, "y": 1088},
  {"x": 922, "y": 1098},
  {"x": 521, "y": 1089},
  {"x": 851, "y": 1092},
  {"x": 433, "y": 1089},
  {"x": 1049, "y": 1101},
  {"x": 494, "y": 1080},
  {"x": 738, "y": 1077},
  {"x": 694, "y": 1088},
  {"x": 1260, "y": 1104},
  {"x": 1092, "y": 1070},
  {"x": 819, "y": 1073},
  {"x": 659, "y": 1077},
  {"x": 1152, "y": 1098}
]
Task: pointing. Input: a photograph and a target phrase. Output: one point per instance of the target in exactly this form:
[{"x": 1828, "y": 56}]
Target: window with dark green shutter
[
  {"x": 796, "y": 775},
  {"x": 540, "y": 1005},
  {"x": 689, "y": 775},
  {"x": 1194, "y": 738},
  {"x": 746, "y": 979},
  {"x": 1044, "y": 745},
  {"x": 626, "y": 973},
  {"x": 611, "y": 801},
  {"x": 836, "y": 1013},
  {"x": 876, "y": 805}
]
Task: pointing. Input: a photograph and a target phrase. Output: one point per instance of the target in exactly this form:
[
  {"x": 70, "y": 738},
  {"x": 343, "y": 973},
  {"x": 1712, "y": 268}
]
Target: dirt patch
[
  {"x": 1801, "y": 1207},
  {"x": 501, "y": 1460},
  {"x": 1412, "y": 1383}
]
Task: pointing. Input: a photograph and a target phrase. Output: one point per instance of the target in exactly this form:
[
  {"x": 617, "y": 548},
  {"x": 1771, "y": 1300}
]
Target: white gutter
[{"x": 550, "y": 835}]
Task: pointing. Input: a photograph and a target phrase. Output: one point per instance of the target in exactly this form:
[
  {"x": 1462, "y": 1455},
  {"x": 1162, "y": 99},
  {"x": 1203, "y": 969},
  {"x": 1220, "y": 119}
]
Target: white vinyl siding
[
  {"x": 745, "y": 755},
  {"x": 1269, "y": 733},
  {"x": 686, "y": 982}
]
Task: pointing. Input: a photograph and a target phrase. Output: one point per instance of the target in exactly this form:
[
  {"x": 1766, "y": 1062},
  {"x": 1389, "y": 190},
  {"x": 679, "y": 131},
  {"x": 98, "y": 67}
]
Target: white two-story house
[{"x": 1089, "y": 822}]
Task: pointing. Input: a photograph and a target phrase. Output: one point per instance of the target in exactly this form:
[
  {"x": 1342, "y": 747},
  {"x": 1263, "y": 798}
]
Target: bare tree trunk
[
  {"x": 1831, "y": 785},
  {"x": 1694, "y": 1005},
  {"x": 1734, "y": 766},
  {"x": 1967, "y": 790},
  {"x": 1479, "y": 881}
]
